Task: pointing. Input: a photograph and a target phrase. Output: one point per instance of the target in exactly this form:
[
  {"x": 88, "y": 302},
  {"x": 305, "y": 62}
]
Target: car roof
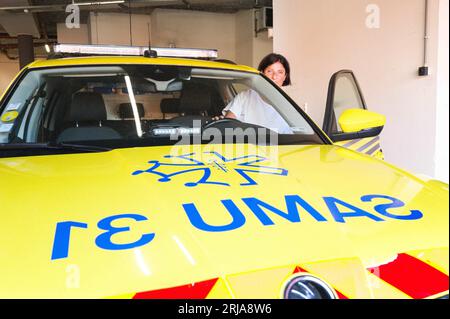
[{"x": 115, "y": 60}]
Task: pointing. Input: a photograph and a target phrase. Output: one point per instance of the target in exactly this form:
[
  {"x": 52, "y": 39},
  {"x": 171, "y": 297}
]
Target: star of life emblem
[{"x": 212, "y": 169}]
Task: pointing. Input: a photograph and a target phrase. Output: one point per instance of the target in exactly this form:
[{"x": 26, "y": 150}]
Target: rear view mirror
[
  {"x": 145, "y": 88},
  {"x": 141, "y": 88},
  {"x": 173, "y": 85}
]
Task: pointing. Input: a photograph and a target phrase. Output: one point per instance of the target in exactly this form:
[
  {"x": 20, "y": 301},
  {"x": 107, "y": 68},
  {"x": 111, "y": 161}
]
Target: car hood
[{"x": 219, "y": 221}]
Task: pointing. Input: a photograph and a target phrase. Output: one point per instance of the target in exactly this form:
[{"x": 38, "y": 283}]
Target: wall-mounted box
[{"x": 264, "y": 18}]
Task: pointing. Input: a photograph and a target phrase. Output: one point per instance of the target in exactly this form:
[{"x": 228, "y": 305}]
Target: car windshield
[{"x": 131, "y": 105}]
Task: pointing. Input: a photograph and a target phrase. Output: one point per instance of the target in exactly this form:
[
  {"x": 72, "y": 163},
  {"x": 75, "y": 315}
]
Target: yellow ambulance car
[{"x": 116, "y": 181}]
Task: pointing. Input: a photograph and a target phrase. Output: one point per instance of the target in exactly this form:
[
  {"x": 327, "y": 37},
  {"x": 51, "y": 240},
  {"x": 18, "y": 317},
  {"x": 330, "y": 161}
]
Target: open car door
[{"x": 347, "y": 121}]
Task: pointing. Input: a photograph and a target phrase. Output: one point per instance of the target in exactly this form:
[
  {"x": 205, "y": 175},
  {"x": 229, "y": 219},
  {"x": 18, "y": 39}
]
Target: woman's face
[{"x": 276, "y": 72}]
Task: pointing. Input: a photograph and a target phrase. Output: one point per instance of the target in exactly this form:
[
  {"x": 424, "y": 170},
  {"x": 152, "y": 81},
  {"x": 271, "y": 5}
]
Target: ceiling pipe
[
  {"x": 61, "y": 6},
  {"x": 9, "y": 46},
  {"x": 37, "y": 41},
  {"x": 87, "y": 5},
  {"x": 8, "y": 56},
  {"x": 108, "y": 4},
  {"x": 426, "y": 36},
  {"x": 424, "y": 69},
  {"x": 16, "y": 57}
]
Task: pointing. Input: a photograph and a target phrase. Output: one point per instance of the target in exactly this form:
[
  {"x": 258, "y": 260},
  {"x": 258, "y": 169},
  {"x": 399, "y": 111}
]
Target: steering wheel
[
  {"x": 188, "y": 120},
  {"x": 234, "y": 123},
  {"x": 225, "y": 123}
]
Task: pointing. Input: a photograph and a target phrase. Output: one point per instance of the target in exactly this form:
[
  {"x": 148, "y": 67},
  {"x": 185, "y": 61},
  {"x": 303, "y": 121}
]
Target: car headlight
[{"x": 305, "y": 286}]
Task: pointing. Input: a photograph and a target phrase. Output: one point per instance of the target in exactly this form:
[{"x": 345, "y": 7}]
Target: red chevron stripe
[
  {"x": 198, "y": 290},
  {"x": 340, "y": 294},
  {"x": 412, "y": 276},
  {"x": 300, "y": 269}
]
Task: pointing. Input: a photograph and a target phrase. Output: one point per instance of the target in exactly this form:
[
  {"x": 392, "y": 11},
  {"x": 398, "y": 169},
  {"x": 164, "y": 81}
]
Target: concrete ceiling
[
  {"x": 39, "y": 17},
  {"x": 15, "y": 23}
]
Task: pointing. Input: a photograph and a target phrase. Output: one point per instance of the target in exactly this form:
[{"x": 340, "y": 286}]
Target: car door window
[
  {"x": 344, "y": 93},
  {"x": 346, "y": 96}
]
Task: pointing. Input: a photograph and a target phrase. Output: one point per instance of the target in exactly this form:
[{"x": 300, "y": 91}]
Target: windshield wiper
[
  {"x": 52, "y": 146},
  {"x": 79, "y": 147}
]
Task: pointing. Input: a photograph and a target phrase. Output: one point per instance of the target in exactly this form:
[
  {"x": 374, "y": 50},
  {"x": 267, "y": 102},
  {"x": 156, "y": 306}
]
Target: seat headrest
[
  {"x": 170, "y": 105},
  {"x": 195, "y": 98},
  {"x": 87, "y": 106},
  {"x": 126, "y": 110}
]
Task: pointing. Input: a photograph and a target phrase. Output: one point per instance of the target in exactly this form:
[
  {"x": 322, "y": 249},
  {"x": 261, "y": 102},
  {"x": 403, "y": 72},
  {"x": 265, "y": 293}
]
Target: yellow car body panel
[
  {"x": 253, "y": 260},
  {"x": 114, "y": 60}
]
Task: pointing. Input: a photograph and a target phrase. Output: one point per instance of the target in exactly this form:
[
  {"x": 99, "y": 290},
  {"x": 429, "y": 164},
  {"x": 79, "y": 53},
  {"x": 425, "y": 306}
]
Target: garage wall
[
  {"x": 193, "y": 29},
  {"x": 8, "y": 69},
  {"x": 76, "y": 35},
  {"x": 250, "y": 49},
  {"x": 244, "y": 32},
  {"x": 178, "y": 28},
  {"x": 262, "y": 46},
  {"x": 322, "y": 36},
  {"x": 114, "y": 29}
]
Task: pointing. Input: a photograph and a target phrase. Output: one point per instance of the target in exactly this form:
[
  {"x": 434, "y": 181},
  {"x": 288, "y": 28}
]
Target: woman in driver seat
[{"x": 249, "y": 107}]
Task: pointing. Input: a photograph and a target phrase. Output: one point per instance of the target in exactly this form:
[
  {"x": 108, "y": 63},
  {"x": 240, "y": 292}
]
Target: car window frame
[{"x": 330, "y": 115}]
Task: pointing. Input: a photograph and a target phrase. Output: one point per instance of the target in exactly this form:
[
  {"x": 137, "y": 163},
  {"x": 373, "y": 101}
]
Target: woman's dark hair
[{"x": 274, "y": 58}]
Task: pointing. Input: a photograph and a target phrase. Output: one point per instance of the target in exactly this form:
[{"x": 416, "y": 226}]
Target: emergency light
[{"x": 134, "y": 51}]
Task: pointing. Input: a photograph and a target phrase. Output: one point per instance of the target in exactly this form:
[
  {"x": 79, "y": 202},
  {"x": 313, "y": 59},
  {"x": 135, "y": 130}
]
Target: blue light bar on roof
[{"x": 134, "y": 51}]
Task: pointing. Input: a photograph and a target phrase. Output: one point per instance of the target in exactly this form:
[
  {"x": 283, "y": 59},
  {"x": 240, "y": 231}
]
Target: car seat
[
  {"x": 170, "y": 106},
  {"x": 126, "y": 111},
  {"x": 86, "y": 113}
]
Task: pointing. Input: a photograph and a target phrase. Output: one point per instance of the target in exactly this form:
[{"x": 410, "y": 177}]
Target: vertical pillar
[
  {"x": 442, "y": 109},
  {"x": 26, "y": 49}
]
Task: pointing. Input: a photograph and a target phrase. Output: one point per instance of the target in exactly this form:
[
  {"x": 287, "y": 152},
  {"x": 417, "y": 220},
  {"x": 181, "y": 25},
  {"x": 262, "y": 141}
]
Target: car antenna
[{"x": 150, "y": 53}]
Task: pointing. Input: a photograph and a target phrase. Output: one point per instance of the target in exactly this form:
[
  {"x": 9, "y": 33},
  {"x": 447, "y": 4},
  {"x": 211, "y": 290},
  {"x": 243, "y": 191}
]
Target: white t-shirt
[{"x": 249, "y": 107}]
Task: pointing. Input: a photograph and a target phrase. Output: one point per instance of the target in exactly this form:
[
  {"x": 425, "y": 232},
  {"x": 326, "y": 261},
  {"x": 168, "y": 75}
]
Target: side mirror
[
  {"x": 359, "y": 123},
  {"x": 355, "y": 120}
]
